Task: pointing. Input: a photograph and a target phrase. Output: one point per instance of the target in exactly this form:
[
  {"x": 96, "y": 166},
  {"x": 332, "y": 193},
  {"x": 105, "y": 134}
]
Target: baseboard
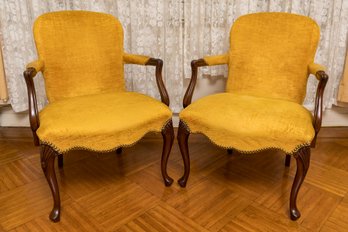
[
  {"x": 336, "y": 116},
  {"x": 8, "y": 118}
]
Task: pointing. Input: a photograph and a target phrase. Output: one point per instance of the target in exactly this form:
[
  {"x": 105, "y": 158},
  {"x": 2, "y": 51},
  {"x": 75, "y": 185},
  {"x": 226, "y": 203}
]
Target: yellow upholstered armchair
[
  {"x": 82, "y": 60},
  {"x": 270, "y": 58}
]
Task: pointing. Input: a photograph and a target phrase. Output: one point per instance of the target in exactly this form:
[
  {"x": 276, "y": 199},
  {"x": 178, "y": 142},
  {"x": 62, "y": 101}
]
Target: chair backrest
[
  {"x": 82, "y": 53},
  {"x": 269, "y": 55}
]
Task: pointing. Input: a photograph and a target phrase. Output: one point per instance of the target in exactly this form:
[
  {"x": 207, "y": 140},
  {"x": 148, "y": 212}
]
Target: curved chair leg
[
  {"x": 48, "y": 156},
  {"x": 168, "y": 138},
  {"x": 287, "y": 160},
  {"x": 119, "y": 150},
  {"x": 302, "y": 161},
  {"x": 60, "y": 160},
  {"x": 182, "y": 137},
  {"x": 229, "y": 151}
]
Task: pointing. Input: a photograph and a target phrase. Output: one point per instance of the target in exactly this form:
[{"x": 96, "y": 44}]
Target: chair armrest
[
  {"x": 216, "y": 60},
  {"x": 158, "y": 63},
  {"x": 191, "y": 87},
  {"x": 320, "y": 74},
  {"x": 314, "y": 68},
  {"x": 38, "y": 65},
  {"x": 135, "y": 59},
  {"x": 206, "y": 61},
  {"x": 32, "y": 69}
]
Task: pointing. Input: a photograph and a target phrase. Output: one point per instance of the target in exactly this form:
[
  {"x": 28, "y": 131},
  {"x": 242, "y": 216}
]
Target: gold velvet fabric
[
  {"x": 216, "y": 60},
  {"x": 135, "y": 59},
  {"x": 270, "y": 58},
  {"x": 249, "y": 123},
  {"x": 81, "y": 56},
  {"x": 82, "y": 52},
  {"x": 269, "y": 55},
  {"x": 101, "y": 122}
]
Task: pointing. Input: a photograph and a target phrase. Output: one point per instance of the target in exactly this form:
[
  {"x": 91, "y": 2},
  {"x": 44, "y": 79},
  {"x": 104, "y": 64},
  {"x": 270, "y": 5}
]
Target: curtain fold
[{"x": 208, "y": 23}]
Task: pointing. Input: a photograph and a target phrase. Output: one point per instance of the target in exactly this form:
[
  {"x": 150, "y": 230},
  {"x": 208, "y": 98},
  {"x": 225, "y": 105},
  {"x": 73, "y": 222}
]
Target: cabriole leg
[
  {"x": 287, "y": 160},
  {"x": 183, "y": 134},
  {"x": 48, "y": 156},
  {"x": 168, "y": 138},
  {"x": 302, "y": 160},
  {"x": 60, "y": 160}
]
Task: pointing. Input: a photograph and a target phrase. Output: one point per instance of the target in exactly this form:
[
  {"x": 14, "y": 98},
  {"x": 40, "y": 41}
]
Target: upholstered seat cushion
[
  {"x": 101, "y": 122},
  {"x": 248, "y": 123}
]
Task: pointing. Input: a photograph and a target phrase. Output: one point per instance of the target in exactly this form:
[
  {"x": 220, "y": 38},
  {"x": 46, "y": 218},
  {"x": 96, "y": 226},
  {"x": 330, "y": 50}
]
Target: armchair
[
  {"x": 270, "y": 58},
  {"x": 81, "y": 57}
]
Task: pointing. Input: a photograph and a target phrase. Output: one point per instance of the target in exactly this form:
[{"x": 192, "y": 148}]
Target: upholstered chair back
[
  {"x": 269, "y": 55},
  {"x": 82, "y": 53}
]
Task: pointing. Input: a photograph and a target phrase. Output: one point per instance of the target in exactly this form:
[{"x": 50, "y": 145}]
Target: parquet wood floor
[{"x": 110, "y": 192}]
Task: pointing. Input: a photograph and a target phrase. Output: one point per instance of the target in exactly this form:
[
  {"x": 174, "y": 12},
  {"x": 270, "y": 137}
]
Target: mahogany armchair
[
  {"x": 81, "y": 57},
  {"x": 270, "y": 58}
]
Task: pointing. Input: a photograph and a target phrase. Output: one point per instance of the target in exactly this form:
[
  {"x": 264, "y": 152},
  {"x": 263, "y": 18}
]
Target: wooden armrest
[
  {"x": 206, "y": 61},
  {"x": 158, "y": 63},
  {"x": 32, "y": 69},
  {"x": 190, "y": 89},
  {"x": 318, "y": 108}
]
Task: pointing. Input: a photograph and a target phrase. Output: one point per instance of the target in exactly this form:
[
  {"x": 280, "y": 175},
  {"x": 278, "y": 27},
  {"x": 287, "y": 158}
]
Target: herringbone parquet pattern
[{"x": 110, "y": 192}]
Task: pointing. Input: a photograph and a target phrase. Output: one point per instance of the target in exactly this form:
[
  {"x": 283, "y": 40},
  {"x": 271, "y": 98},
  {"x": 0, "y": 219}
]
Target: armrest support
[
  {"x": 158, "y": 63},
  {"x": 318, "y": 108},
  {"x": 32, "y": 69},
  {"x": 206, "y": 61},
  {"x": 191, "y": 87}
]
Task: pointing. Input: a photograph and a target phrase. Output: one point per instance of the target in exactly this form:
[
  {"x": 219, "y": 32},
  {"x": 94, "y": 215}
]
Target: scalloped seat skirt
[
  {"x": 249, "y": 124},
  {"x": 101, "y": 122}
]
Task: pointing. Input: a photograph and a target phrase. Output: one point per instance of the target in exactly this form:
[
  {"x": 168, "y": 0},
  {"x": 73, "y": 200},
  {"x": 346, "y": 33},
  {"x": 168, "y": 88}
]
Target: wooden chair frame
[
  {"x": 302, "y": 156},
  {"x": 48, "y": 154}
]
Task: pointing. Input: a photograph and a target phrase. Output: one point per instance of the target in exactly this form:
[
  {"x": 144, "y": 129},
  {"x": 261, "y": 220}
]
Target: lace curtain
[
  {"x": 152, "y": 27},
  {"x": 208, "y": 23}
]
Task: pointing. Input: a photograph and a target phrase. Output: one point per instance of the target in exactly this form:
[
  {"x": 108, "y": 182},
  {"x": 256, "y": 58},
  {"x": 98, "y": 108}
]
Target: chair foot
[
  {"x": 183, "y": 134},
  {"x": 287, "y": 160},
  {"x": 119, "y": 150},
  {"x": 295, "y": 214},
  {"x": 48, "y": 156},
  {"x": 55, "y": 215},
  {"x": 229, "y": 151},
  {"x": 168, "y": 138},
  {"x": 182, "y": 182},
  {"x": 302, "y": 160},
  {"x": 60, "y": 161}
]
